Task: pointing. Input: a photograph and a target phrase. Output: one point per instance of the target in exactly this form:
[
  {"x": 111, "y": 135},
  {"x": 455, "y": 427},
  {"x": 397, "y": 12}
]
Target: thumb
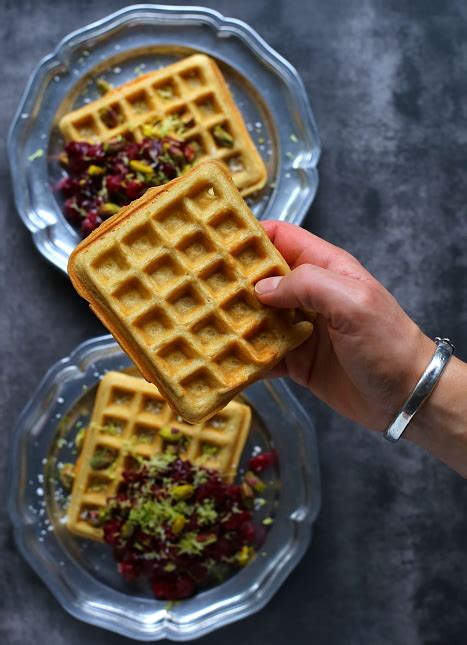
[{"x": 337, "y": 297}]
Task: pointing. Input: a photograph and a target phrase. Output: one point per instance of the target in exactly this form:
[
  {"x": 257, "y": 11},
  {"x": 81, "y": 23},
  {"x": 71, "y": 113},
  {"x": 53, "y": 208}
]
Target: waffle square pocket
[{"x": 172, "y": 277}]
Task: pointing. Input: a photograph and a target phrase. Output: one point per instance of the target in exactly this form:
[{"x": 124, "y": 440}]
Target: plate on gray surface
[
  {"x": 137, "y": 39},
  {"x": 82, "y": 574}
]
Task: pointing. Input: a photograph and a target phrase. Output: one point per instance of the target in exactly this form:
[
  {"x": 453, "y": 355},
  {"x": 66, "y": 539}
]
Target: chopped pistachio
[
  {"x": 182, "y": 491},
  {"x": 255, "y": 482},
  {"x": 103, "y": 86},
  {"x": 102, "y": 458},
  {"x": 140, "y": 166},
  {"x": 190, "y": 544},
  {"x": 36, "y": 155},
  {"x": 94, "y": 170},
  {"x": 149, "y": 131},
  {"x": 145, "y": 436},
  {"x": 209, "y": 450},
  {"x": 268, "y": 521},
  {"x": 67, "y": 475},
  {"x": 97, "y": 486},
  {"x": 223, "y": 137},
  {"x": 166, "y": 93},
  {"x": 172, "y": 435},
  {"x": 206, "y": 513},
  {"x": 109, "y": 208},
  {"x": 244, "y": 555},
  {"x": 127, "y": 529},
  {"x": 79, "y": 439},
  {"x": 178, "y": 524}
]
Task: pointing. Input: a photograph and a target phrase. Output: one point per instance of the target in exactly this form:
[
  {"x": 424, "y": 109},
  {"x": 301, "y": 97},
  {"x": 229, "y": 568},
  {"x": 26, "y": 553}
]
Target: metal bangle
[{"x": 423, "y": 389}]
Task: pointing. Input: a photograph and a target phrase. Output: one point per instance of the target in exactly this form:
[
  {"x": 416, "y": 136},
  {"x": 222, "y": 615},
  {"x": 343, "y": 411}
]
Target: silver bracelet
[{"x": 423, "y": 389}]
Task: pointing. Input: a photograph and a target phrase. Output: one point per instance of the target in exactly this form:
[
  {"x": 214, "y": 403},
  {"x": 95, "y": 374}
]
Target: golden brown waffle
[
  {"x": 194, "y": 90},
  {"x": 126, "y": 420},
  {"x": 172, "y": 277}
]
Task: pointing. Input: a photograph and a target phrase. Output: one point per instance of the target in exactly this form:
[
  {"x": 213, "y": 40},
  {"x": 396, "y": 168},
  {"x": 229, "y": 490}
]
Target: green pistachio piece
[
  {"x": 102, "y": 458},
  {"x": 103, "y": 86},
  {"x": 255, "y": 482},
  {"x": 222, "y": 137},
  {"x": 79, "y": 439},
  {"x": 171, "y": 435},
  {"x": 67, "y": 475},
  {"x": 182, "y": 491}
]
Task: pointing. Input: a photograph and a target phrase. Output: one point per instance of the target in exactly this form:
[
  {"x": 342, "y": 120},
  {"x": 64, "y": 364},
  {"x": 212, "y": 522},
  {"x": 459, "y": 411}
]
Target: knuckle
[
  {"x": 365, "y": 297},
  {"x": 301, "y": 279}
]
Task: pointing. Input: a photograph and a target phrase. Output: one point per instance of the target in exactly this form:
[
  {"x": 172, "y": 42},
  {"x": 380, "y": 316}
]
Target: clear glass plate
[
  {"x": 82, "y": 575},
  {"x": 267, "y": 89}
]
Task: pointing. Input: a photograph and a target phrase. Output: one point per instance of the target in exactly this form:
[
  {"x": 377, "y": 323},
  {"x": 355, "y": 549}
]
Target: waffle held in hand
[
  {"x": 130, "y": 419},
  {"x": 193, "y": 92},
  {"x": 172, "y": 277}
]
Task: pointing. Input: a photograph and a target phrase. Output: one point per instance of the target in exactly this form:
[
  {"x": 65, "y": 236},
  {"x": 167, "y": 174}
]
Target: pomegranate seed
[
  {"x": 134, "y": 189},
  {"x": 247, "y": 531},
  {"x": 90, "y": 223},
  {"x": 262, "y": 461},
  {"x": 128, "y": 570}
]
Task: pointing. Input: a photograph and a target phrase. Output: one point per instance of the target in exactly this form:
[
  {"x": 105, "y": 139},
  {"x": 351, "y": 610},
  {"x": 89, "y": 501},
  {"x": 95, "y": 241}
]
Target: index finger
[{"x": 298, "y": 246}]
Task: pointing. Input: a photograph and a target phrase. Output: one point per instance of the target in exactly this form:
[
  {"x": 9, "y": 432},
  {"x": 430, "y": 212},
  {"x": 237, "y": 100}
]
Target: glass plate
[
  {"x": 267, "y": 89},
  {"x": 82, "y": 575}
]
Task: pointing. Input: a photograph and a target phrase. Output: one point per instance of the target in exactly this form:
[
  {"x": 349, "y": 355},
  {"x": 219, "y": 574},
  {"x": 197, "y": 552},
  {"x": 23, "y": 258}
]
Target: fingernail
[{"x": 267, "y": 285}]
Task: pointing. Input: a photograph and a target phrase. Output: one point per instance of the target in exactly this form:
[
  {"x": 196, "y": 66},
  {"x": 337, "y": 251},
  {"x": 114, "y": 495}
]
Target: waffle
[
  {"x": 172, "y": 277},
  {"x": 193, "y": 89},
  {"x": 127, "y": 417}
]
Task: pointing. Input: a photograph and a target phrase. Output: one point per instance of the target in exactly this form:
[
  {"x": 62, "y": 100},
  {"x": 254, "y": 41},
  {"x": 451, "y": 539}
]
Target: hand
[{"x": 365, "y": 354}]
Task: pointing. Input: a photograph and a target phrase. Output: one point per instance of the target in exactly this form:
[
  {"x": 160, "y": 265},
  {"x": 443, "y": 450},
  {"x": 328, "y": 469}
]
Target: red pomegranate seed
[{"x": 262, "y": 461}]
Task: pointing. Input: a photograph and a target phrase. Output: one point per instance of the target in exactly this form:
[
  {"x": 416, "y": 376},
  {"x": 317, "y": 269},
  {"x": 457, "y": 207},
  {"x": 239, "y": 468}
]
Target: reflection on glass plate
[
  {"x": 82, "y": 574},
  {"x": 267, "y": 89}
]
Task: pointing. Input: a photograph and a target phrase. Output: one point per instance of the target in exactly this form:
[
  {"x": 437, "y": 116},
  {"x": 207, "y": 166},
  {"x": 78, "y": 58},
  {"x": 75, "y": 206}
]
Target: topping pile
[
  {"x": 179, "y": 524},
  {"x": 104, "y": 177}
]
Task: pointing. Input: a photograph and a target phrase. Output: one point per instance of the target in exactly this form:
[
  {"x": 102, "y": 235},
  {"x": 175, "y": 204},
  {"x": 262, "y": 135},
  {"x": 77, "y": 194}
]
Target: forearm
[{"x": 440, "y": 426}]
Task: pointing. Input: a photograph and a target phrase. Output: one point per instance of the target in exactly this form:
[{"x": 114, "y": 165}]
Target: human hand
[{"x": 365, "y": 354}]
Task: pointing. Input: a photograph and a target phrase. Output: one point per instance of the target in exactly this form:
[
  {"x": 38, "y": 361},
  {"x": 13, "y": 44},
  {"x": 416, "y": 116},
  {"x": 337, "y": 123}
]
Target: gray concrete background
[{"x": 387, "y": 81}]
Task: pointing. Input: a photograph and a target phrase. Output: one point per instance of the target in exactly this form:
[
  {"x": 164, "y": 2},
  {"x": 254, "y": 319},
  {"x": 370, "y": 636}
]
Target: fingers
[
  {"x": 340, "y": 299},
  {"x": 298, "y": 246}
]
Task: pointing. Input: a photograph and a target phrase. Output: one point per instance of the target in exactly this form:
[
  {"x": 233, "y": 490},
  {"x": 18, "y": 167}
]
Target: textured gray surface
[{"x": 388, "y": 564}]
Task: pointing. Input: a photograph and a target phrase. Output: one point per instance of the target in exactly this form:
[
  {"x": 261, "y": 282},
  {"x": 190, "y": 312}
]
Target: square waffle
[
  {"x": 126, "y": 420},
  {"x": 172, "y": 277},
  {"x": 194, "y": 90}
]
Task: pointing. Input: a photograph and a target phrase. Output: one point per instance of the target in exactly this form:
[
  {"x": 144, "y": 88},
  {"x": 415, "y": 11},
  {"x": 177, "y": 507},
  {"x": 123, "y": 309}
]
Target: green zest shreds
[{"x": 179, "y": 524}]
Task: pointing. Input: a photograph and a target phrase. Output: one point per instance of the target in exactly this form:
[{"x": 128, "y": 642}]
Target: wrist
[{"x": 440, "y": 426}]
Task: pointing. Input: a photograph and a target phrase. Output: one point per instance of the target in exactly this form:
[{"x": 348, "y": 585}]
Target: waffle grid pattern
[
  {"x": 135, "y": 411},
  {"x": 181, "y": 277},
  {"x": 193, "y": 90}
]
